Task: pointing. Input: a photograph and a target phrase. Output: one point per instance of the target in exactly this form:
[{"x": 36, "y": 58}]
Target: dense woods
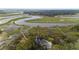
[{"x": 51, "y": 12}]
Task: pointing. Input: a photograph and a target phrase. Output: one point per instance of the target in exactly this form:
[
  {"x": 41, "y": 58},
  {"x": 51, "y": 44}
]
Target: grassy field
[
  {"x": 54, "y": 20},
  {"x": 14, "y": 20},
  {"x": 18, "y": 30},
  {"x": 3, "y": 15},
  {"x": 61, "y": 38},
  {"x": 5, "y": 25},
  {"x": 19, "y": 18}
]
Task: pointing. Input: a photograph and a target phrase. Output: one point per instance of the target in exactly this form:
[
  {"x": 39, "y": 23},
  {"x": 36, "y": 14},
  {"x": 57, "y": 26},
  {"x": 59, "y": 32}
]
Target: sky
[{"x": 40, "y": 4}]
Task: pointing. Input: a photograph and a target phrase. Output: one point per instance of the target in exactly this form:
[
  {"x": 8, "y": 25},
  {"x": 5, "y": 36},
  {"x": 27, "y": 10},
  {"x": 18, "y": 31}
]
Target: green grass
[
  {"x": 4, "y": 26},
  {"x": 14, "y": 32},
  {"x": 20, "y": 18},
  {"x": 18, "y": 30},
  {"x": 54, "y": 20},
  {"x": 3, "y": 15},
  {"x": 14, "y": 20}
]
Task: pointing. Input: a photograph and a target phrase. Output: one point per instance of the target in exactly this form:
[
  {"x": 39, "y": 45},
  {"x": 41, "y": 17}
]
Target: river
[{"x": 24, "y": 22}]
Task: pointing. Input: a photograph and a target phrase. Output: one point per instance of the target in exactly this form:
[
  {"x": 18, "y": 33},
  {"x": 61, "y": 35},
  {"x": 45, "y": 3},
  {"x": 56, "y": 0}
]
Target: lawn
[{"x": 54, "y": 20}]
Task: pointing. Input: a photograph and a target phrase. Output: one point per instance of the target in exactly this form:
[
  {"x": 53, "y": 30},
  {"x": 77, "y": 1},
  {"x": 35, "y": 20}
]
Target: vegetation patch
[
  {"x": 54, "y": 20},
  {"x": 14, "y": 20},
  {"x": 62, "y": 38}
]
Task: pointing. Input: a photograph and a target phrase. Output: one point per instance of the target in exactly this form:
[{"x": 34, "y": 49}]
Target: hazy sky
[{"x": 37, "y": 4}]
